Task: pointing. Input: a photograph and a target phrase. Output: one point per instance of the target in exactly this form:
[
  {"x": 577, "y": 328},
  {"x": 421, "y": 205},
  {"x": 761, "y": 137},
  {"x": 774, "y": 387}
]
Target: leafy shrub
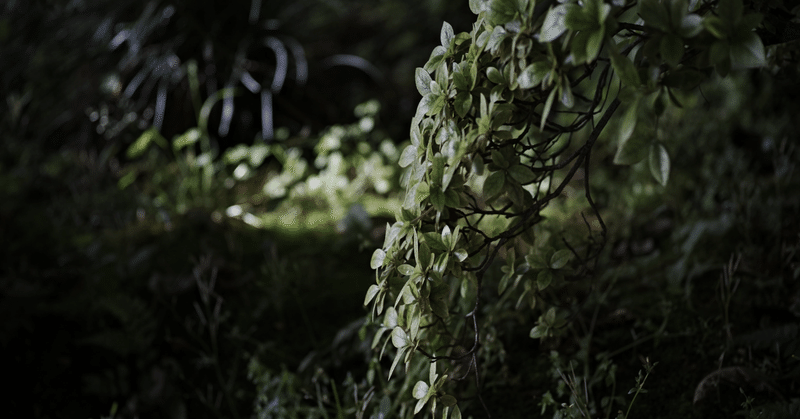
[{"x": 502, "y": 142}]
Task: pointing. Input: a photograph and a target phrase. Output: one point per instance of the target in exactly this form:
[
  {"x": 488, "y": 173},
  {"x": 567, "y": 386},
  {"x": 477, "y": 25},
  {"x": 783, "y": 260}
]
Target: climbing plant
[{"x": 510, "y": 114}]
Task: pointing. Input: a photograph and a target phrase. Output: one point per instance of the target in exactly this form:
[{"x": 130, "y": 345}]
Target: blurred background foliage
[{"x": 190, "y": 192}]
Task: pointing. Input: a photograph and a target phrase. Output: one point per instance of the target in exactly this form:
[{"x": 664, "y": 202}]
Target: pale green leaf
[
  {"x": 399, "y": 337},
  {"x": 372, "y": 291},
  {"x": 377, "y": 258},
  {"x": 405, "y": 269},
  {"x": 446, "y": 34},
  {"x": 408, "y": 156},
  {"x": 423, "y": 80},
  {"x": 553, "y": 25},
  {"x": 397, "y": 359},
  {"x": 420, "y": 390},
  {"x": 390, "y": 318}
]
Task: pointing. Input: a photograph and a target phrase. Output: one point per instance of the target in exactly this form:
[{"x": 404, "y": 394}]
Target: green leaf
[
  {"x": 397, "y": 358},
  {"x": 436, "y": 59},
  {"x": 377, "y": 258},
  {"x": 543, "y": 279},
  {"x": 554, "y": 24},
  {"x": 186, "y": 139},
  {"x": 438, "y": 199},
  {"x": 671, "y": 49},
  {"x": 577, "y": 18},
  {"x": 548, "y": 105},
  {"x": 566, "y": 95},
  {"x": 446, "y": 35},
  {"x": 408, "y": 156},
  {"x": 456, "y": 413},
  {"x": 399, "y": 338},
  {"x": 550, "y": 316},
  {"x": 448, "y": 400},
  {"x": 499, "y": 159},
  {"x": 538, "y": 332},
  {"x": 593, "y": 44},
  {"x": 494, "y": 184},
  {"x": 372, "y": 291},
  {"x": 425, "y": 256},
  {"x": 405, "y": 269},
  {"x": 521, "y": 174},
  {"x": 420, "y": 405},
  {"x": 495, "y": 76},
  {"x": 423, "y": 80},
  {"x": 748, "y": 52},
  {"x": 659, "y": 163},
  {"x": 420, "y": 390},
  {"x": 143, "y": 143},
  {"x": 390, "y": 319},
  {"x": 624, "y": 68},
  {"x": 533, "y": 74},
  {"x": 477, "y": 6},
  {"x": 436, "y": 105},
  {"x": 560, "y": 258},
  {"x": 654, "y": 14},
  {"x": 463, "y": 103},
  {"x": 632, "y": 148},
  {"x": 628, "y": 122},
  {"x": 460, "y": 254},
  {"x": 502, "y": 11},
  {"x": 691, "y": 26}
]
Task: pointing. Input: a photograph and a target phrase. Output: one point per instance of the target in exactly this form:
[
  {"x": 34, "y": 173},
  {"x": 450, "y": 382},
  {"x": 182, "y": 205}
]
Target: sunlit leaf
[
  {"x": 372, "y": 291},
  {"x": 423, "y": 80},
  {"x": 420, "y": 390},
  {"x": 553, "y": 25},
  {"x": 405, "y": 269},
  {"x": 399, "y": 337},
  {"x": 377, "y": 258},
  {"x": 446, "y": 34}
]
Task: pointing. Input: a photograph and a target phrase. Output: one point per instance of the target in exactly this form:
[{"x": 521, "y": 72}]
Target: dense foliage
[{"x": 509, "y": 118}]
